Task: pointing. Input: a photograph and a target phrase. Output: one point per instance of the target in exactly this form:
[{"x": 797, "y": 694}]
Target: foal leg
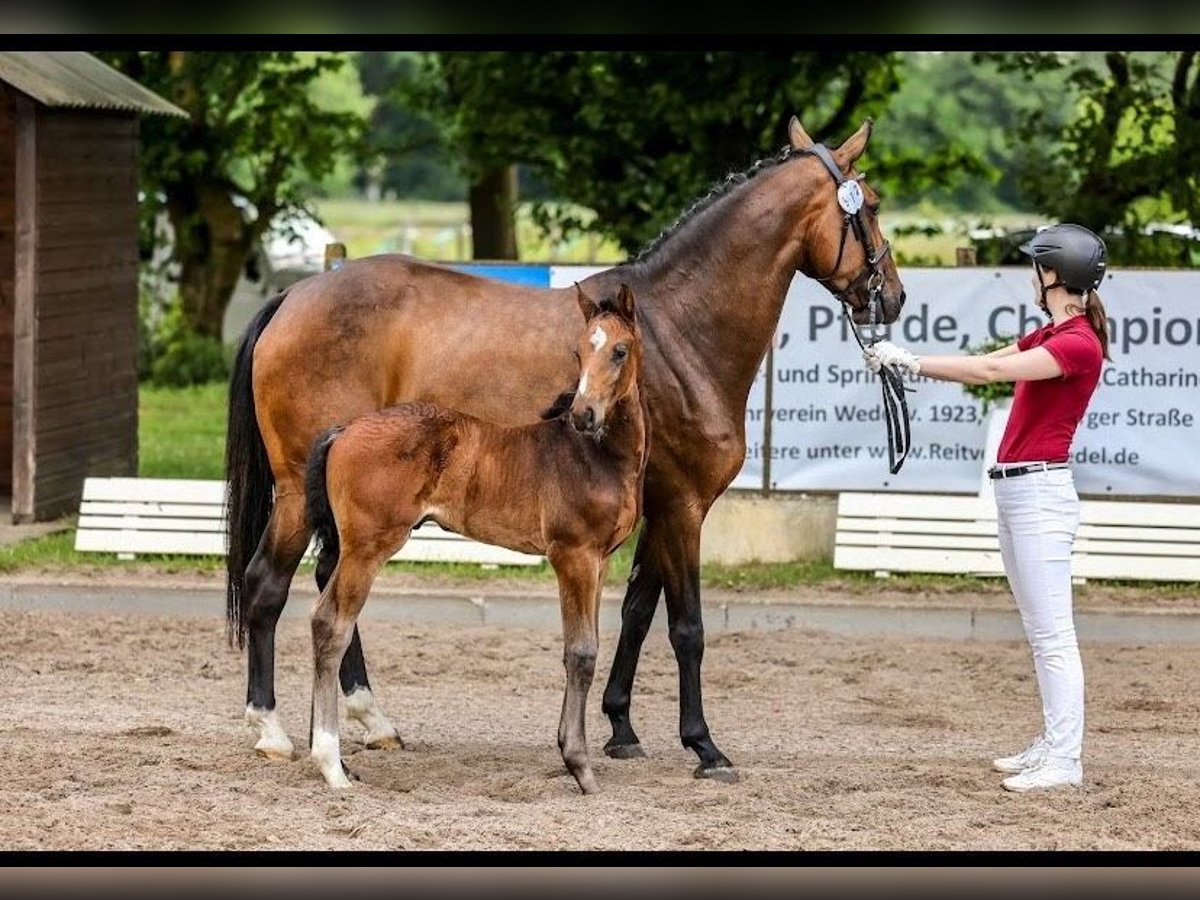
[
  {"x": 360, "y": 702},
  {"x": 637, "y": 612},
  {"x": 268, "y": 577},
  {"x": 579, "y": 574},
  {"x": 333, "y": 623}
]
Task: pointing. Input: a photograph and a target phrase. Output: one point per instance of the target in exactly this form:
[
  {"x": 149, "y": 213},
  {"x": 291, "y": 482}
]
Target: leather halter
[
  {"x": 853, "y": 221},
  {"x": 895, "y": 406}
]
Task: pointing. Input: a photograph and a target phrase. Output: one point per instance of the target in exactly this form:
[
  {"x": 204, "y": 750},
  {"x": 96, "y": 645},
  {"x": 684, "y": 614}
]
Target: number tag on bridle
[{"x": 850, "y": 196}]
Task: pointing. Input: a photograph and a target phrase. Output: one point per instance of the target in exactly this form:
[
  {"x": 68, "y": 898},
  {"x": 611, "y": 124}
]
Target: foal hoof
[
  {"x": 383, "y": 742},
  {"x": 624, "y": 751},
  {"x": 723, "y": 774}
]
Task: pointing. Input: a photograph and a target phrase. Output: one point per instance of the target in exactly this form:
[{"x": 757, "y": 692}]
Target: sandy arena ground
[{"x": 125, "y": 731}]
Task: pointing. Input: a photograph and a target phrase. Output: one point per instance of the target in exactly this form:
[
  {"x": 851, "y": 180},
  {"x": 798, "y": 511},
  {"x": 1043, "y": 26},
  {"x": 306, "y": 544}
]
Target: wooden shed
[{"x": 68, "y": 276}]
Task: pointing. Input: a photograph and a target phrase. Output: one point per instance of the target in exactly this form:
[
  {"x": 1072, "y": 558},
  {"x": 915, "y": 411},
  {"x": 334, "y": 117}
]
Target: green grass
[{"x": 181, "y": 432}]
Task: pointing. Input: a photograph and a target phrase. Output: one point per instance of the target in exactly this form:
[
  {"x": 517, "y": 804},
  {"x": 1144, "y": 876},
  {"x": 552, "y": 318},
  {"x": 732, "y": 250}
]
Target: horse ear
[
  {"x": 625, "y": 304},
  {"x": 854, "y": 146},
  {"x": 798, "y": 136},
  {"x": 586, "y": 306}
]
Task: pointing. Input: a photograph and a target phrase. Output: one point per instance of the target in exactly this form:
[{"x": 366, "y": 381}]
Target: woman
[{"x": 1056, "y": 368}]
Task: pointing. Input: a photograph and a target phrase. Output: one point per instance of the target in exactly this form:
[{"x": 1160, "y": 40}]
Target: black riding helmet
[{"x": 1077, "y": 255}]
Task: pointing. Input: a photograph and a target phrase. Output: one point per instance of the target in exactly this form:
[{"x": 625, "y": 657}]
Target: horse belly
[{"x": 517, "y": 530}]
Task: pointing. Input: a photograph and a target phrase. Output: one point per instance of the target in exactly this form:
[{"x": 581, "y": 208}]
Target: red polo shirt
[{"x": 1046, "y": 413}]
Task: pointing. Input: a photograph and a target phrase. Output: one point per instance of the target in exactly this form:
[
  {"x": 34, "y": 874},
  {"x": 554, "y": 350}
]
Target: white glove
[{"x": 885, "y": 353}]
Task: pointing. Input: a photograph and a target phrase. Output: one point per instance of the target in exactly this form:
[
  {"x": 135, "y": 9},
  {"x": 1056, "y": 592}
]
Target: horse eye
[
  {"x": 576, "y": 352},
  {"x": 620, "y": 352}
]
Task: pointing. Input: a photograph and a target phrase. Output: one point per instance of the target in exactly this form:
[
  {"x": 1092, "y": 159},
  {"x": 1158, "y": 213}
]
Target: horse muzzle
[{"x": 585, "y": 421}]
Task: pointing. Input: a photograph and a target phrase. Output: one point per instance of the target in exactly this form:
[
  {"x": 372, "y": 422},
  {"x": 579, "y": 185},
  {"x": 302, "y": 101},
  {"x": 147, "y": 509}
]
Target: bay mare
[
  {"x": 388, "y": 329},
  {"x": 569, "y": 488}
]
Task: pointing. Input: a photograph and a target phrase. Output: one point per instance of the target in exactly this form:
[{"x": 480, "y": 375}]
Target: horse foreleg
[
  {"x": 267, "y": 580},
  {"x": 637, "y": 612},
  {"x": 681, "y": 579},
  {"x": 333, "y": 623},
  {"x": 579, "y": 575},
  {"x": 360, "y": 701}
]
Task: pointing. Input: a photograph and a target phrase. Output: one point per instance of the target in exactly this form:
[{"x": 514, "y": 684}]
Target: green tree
[
  {"x": 407, "y": 154},
  {"x": 636, "y": 135},
  {"x": 1127, "y": 144},
  {"x": 953, "y": 108},
  {"x": 255, "y": 133}
]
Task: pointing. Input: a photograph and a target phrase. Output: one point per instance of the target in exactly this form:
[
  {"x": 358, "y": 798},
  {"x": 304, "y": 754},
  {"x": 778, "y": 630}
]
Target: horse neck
[
  {"x": 717, "y": 286},
  {"x": 626, "y": 439}
]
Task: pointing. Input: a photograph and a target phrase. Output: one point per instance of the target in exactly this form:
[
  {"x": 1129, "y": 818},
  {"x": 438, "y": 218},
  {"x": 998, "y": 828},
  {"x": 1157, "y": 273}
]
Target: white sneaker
[
  {"x": 1049, "y": 773},
  {"x": 1030, "y": 756}
]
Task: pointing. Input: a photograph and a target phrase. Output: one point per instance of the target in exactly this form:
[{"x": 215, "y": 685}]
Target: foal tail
[
  {"x": 248, "y": 475},
  {"x": 316, "y": 496}
]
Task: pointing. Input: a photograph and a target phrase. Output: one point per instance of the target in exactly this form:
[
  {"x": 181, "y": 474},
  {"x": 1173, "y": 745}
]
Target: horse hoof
[
  {"x": 624, "y": 751},
  {"x": 384, "y": 742},
  {"x": 275, "y": 753},
  {"x": 587, "y": 784},
  {"x": 723, "y": 774}
]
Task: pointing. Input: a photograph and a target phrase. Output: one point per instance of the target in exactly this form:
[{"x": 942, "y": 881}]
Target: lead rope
[{"x": 895, "y": 406}]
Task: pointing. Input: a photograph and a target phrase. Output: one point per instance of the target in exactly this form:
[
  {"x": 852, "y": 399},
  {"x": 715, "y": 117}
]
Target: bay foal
[{"x": 569, "y": 487}]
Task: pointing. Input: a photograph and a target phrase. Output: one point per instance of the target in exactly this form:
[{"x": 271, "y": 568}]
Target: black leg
[
  {"x": 267, "y": 584},
  {"x": 681, "y": 579},
  {"x": 353, "y": 671},
  {"x": 637, "y": 612}
]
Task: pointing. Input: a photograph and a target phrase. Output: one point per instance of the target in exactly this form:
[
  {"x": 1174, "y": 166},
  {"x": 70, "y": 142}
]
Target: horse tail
[
  {"x": 316, "y": 497},
  {"x": 248, "y": 475}
]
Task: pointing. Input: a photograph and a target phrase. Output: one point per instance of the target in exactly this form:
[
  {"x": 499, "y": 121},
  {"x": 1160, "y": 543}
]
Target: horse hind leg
[
  {"x": 333, "y": 622},
  {"x": 361, "y": 706},
  {"x": 268, "y": 577},
  {"x": 356, "y": 688}
]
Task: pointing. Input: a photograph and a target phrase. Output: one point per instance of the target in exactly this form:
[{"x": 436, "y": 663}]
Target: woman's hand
[{"x": 885, "y": 353}]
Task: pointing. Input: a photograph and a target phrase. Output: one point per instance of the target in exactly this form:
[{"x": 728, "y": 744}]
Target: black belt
[{"x": 1013, "y": 471}]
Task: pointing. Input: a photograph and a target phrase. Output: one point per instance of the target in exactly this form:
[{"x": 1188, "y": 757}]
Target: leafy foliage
[
  {"x": 409, "y": 156},
  {"x": 170, "y": 354},
  {"x": 999, "y": 390},
  {"x": 636, "y": 135},
  {"x": 1126, "y": 146},
  {"x": 254, "y": 134}
]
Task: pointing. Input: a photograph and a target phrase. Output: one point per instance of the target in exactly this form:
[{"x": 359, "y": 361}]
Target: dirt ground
[{"x": 126, "y": 732}]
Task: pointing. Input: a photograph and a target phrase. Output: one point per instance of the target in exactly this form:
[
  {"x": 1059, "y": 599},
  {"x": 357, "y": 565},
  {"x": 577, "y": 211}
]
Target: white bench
[
  {"x": 128, "y": 516},
  {"x": 945, "y": 533}
]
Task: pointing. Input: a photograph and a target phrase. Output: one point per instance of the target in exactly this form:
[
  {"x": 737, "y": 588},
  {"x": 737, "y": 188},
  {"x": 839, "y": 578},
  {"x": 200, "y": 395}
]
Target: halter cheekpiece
[{"x": 850, "y": 200}]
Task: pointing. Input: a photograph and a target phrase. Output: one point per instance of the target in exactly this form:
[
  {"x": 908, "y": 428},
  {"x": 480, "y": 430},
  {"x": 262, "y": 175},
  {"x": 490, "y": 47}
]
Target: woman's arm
[
  {"x": 1005, "y": 351},
  {"x": 1010, "y": 364}
]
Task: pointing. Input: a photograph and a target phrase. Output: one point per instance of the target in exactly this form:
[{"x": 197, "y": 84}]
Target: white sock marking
[
  {"x": 328, "y": 756},
  {"x": 361, "y": 706},
  {"x": 271, "y": 735}
]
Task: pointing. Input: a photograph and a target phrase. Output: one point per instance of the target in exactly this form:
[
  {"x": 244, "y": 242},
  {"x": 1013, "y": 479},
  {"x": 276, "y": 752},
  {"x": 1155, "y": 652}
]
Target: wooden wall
[
  {"x": 75, "y": 376},
  {"x": 7, "y": 255}
]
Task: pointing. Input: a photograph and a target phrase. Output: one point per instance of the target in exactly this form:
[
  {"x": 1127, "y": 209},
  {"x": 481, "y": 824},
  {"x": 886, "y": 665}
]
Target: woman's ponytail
[{"x": 1098, "y": 319}]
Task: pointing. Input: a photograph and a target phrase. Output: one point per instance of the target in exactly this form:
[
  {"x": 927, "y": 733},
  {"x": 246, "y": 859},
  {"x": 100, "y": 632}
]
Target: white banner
[{"x": 1140, "y": 436}]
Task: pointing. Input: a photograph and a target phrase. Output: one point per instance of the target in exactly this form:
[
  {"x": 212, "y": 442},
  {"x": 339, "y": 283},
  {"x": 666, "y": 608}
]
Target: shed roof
[{"x": 74, "y": 79}]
